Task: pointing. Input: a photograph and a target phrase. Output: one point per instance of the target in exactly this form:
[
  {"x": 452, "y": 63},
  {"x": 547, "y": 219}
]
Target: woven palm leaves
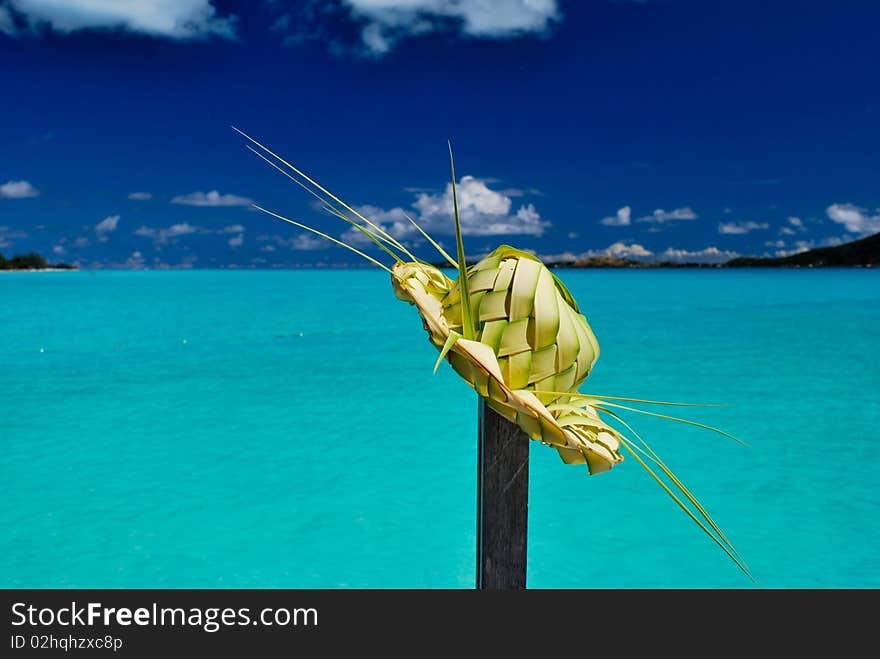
[
  {"x": 531, "y": 346},
  {"x": 515, "y": 334}
]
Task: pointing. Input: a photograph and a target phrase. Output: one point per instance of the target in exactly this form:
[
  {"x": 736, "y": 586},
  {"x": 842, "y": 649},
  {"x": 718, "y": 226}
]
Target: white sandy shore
[{"x": 42, "y": 270}]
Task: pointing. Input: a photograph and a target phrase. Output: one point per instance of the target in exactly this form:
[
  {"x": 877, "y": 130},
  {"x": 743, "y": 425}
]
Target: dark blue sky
[{"x": 693, "y": 129}]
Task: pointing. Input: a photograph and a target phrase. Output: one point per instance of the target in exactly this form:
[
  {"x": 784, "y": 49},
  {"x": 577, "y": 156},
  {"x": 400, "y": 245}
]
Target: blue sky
[{"x": 659, "y": 129}]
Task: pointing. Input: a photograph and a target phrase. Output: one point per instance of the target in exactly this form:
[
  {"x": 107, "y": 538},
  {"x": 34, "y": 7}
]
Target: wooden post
[{"x": 502, "y": 502}]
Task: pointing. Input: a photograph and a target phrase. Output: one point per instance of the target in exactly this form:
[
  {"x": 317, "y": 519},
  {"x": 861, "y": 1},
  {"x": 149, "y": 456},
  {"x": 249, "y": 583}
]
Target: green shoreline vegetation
[{"x": 31, "y": 261}]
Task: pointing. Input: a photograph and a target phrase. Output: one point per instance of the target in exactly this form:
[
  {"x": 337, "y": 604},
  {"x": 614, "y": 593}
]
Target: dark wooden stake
[{"x": 502, "y": 502}]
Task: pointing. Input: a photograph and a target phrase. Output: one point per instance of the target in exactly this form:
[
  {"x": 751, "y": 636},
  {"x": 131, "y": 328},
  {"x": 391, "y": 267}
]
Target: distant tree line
[{"x": 32, "y": 261}]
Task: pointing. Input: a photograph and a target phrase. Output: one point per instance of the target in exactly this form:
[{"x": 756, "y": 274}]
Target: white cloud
[
  {"x": 793, "y": 226},
  {"x": 374, "y": 40},
  {"x": 303, "y": 242},
  {"x": 81, "y": 242},
  {"x": 171, "y": 19},
  {"x": 834, "y": 241},
  {"x": 623, "y": 251},
  {"x": 6, "y": 24},
  {"x": 212, "y": 198},
  {"x": 855, "y": 219},
  {"x": 234, "y": 228},
  {"x": 140, "y": 196},
  {"x": 620, "y": 219},
  {"x": 483, "y": 212},
  {"x": 563, "y": 257},
  {"x": 58, "y": 250},
  {"x": 806, "y": 245},
  {"x": 636, "y": 252},
  {"x": 708, "y": 255},
  {"x": 738, "y": 228},
  {"x": 105, "y": 226},
  {"x": 306, "y": 242},
  {"x": 799, "y": 247},
  {"x": 661, "y": 216},
  {"x": 18, "y": 190},
  {"x": 618, "y": 250},
  {"x": 136, "y": 261},
  {"x": 386, "y": 21},
  {"x": 6, "y": 234},
  {"x": 162, "y": 235},
  {"x": 515, "y": 192}
]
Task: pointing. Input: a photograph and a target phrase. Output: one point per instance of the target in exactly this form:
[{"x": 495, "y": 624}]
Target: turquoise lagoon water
[{"x": 284, "y": 429}]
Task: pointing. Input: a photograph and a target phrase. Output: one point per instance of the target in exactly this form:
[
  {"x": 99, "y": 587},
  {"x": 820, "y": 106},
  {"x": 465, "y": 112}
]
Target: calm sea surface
[{"x": 284, "y": 429}]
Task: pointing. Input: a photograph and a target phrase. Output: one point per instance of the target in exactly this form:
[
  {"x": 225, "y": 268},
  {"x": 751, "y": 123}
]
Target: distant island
[
  {"x": 32, "y": 261},
  {"x": 864, "y": 252}
]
